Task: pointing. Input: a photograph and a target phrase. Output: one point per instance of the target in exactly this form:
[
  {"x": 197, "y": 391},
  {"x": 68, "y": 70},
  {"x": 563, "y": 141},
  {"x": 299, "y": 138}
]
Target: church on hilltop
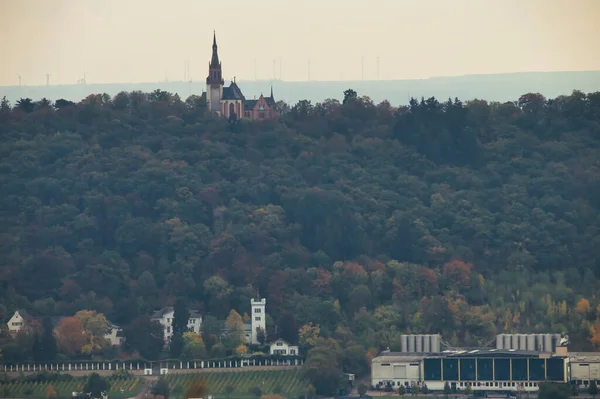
[{"x": 230, "y": 102}]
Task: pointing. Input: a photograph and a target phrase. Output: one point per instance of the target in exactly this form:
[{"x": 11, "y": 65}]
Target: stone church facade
[{"x": 230, "y": 102}]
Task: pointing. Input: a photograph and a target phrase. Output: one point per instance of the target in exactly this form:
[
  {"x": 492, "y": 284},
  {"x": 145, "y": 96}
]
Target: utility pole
[{"x": 47, "y": 79}]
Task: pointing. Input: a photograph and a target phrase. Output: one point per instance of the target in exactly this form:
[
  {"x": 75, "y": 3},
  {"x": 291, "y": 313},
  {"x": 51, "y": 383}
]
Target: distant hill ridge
[{"x": 491, "y": 87}]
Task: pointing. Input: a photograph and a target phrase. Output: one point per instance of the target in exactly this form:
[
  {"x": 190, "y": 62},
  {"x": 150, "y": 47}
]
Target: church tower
[
  {"x": 259, "y": 318},
  {"x": 214, "y": 80}
]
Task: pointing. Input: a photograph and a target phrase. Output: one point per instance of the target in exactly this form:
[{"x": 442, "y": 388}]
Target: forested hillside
[{"x": 465, "y": 219}]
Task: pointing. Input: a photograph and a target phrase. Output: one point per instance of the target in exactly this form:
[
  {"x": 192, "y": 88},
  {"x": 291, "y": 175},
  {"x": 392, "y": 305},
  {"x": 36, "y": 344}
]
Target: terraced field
[
  {"x": 287, "y": 383},
  {"x": 119, "y": 388}
]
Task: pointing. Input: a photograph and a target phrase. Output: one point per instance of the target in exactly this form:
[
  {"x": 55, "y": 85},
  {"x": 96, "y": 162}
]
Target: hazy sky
[{"x": 149, "y": 40}]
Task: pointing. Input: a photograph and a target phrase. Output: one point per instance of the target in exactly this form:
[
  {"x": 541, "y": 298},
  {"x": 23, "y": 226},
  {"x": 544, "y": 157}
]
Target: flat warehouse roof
[
  {"x": 584, "y": 357},
  {"x": 490, "y": 353},
  {"x": 467, "y": 353},
  {"x": 394, "y": 358}
]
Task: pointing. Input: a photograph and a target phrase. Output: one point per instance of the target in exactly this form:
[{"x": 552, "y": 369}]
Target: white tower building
[{"x": 259, "y": 318}]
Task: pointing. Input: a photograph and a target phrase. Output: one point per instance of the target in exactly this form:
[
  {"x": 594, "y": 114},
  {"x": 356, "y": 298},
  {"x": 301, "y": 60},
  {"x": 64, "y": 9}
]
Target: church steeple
[{"x": 215, "y": 72}]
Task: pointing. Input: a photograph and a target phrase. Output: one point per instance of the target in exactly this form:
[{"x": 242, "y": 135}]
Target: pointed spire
[
  {"x": 214, "y": 61},
  {"x": 215, "y": 73},
  {"x": 271, "y": 91}
]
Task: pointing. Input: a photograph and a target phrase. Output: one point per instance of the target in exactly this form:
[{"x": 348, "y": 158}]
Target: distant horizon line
[{"x": 305, "y": 81}]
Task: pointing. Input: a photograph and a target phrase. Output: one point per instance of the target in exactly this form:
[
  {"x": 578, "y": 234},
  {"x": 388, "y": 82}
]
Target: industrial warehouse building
[
  {"x": 584, "y": 367},
  {"x": 510, "y": 366}
]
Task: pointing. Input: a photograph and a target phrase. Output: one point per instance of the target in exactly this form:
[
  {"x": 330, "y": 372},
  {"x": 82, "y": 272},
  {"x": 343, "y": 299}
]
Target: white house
[
  {"x": 18, "y": 321},
  {"x": 165, "y": 318},
  {"x": 259, "y": 319},
  {"x": 280, "y": 347},
  {"x": 114, "y": 334}
]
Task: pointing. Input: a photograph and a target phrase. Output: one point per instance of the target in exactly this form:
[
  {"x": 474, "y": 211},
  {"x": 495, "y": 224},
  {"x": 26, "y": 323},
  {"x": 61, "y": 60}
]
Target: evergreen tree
[
  {"x": 181, "y": 315},
  {"x": 48, "y": 346},
  {"x": 36, "y": 349}
]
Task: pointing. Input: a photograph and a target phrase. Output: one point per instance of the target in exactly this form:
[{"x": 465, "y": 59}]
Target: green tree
[
  {"x": 447, "y": 389},
  {"x": 349, "y": 95},
  {"x": 95, "y": 385},
  {"x": 593, "y": 388},
  {"x": 322, "y": 370},
  {"x": 193, "y": 346},
  {"x": 256, "y": 392},
  {"x": 468, "y": 390},
  {"x": 362, "y": 389},
  {"x": 145, "y": 336},
  {"x": 48, "y": 346},
  {"x": 181, "y": 315},
  {"x": 548, "y": 390},
  {"x": 161, "y": 388}
]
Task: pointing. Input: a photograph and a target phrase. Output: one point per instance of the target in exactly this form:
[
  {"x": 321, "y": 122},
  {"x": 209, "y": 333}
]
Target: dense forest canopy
[{"x": 368, "y": 220}]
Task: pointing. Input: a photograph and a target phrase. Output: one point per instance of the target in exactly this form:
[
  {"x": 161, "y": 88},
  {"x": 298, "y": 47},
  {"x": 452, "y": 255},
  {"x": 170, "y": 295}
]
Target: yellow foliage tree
[
  {"x": 241, "y": 349},
  {"x": 583, "y": 306},
  {"x": 191, "y": 337},
  {"x": 94, "y": 323},
  {"x": 50, "y": 391},
  {"x": 235, "y": 329},
  {"x": 308, "y": 334},
  {"x": 95, "y": 326}
]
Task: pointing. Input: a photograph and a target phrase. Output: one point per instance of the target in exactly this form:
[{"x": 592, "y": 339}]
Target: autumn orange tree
[
  {"x": 583, "y": 306},
  {"x": 595, "y": 334},
  {"x": 50, "y": 391},
  {"x": 198, "y": 389},
  {"x": 457, "y": 273},
  {"x": 70, "y": 336}
]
